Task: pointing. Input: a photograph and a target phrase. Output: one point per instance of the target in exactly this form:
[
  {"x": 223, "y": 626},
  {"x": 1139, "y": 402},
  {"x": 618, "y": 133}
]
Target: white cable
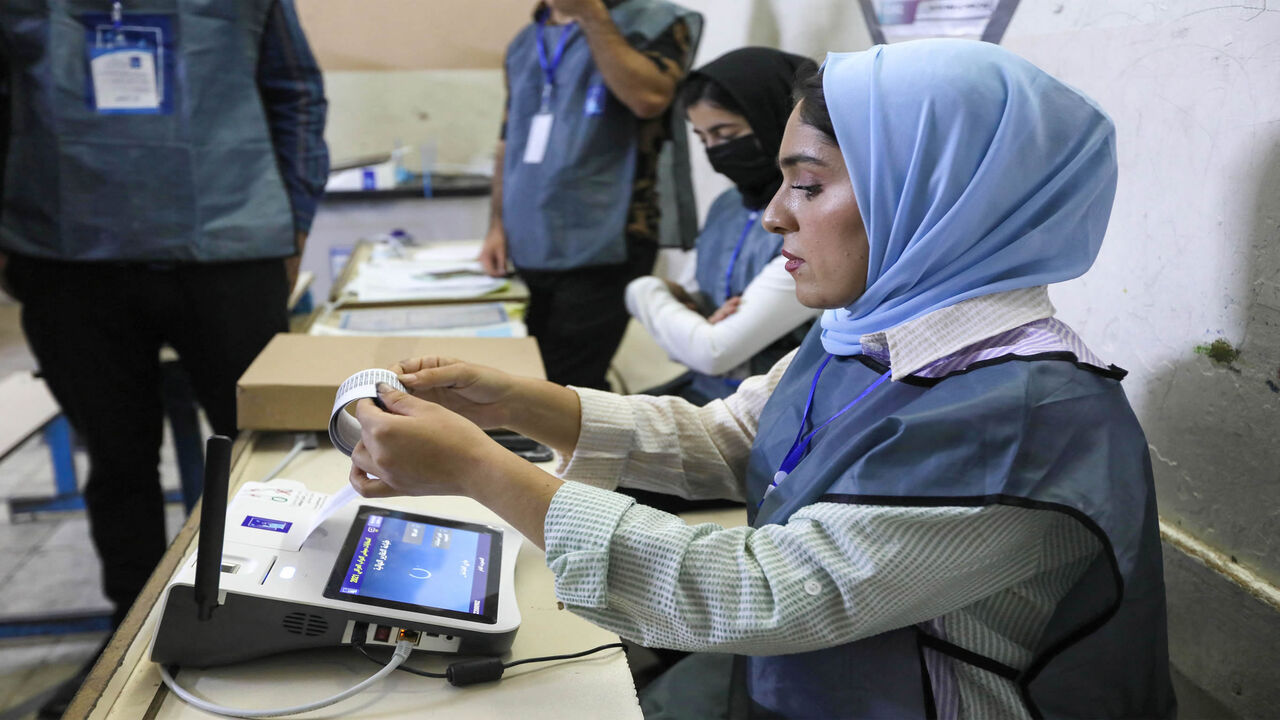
[
  {"x": 403, "y": 648},
  {"x": 298, "y": 447}
]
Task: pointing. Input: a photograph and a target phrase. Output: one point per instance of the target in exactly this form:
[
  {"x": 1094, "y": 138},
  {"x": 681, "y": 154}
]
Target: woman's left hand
[{"x": 415, "y": 447}]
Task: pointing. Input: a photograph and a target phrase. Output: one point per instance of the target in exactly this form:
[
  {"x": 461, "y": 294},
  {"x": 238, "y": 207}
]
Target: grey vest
[
  {"x": 726, "y": 220},
  {"x": 1052, "y": 436},
  {"x": 570, "y": 210},
  {"x": 199, "y": 184}
]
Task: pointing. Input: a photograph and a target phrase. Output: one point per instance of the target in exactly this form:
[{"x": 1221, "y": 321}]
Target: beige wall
[{"x": 372, "y": 35}]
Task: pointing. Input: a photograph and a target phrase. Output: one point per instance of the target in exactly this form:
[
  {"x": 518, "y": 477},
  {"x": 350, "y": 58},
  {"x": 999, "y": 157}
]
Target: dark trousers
[
  {"x": 96, "y": 331},
  {"x": 579, "y": 316}
]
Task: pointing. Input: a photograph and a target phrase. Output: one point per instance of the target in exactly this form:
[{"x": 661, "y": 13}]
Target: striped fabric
[
  {"x": 941, "y": 333},
  {"x": 988, "y": 577},
  {"x": 1049, "y": 335},
  {"x": 985, "y": 579}
]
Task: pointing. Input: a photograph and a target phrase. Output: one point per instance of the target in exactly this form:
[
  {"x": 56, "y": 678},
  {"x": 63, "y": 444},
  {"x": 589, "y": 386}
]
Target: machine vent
[{"x": 300, "y": 623}]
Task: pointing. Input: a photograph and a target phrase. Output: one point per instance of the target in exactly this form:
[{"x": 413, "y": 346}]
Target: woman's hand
[
  {"x": 681, "y": 295},
  {"x": 490, "y": 398},
  {"x": 415, "y": 447},
  {"x": 480, "y": 394},
  {"x": 729, "y": 307}
]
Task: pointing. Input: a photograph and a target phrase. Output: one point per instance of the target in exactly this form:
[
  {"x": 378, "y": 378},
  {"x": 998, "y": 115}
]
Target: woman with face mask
[
  {"x": 950, "y": 502},
  {"x": 739, "y": 314}
]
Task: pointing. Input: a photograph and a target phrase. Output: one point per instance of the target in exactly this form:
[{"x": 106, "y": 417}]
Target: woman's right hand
[
  {"x": 681, "y": 295},
  {"x": 729, "y": 307},
  {"x": 483, "y": 395}
]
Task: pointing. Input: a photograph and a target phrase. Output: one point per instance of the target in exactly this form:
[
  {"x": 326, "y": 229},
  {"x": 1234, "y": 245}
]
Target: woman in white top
[
  {"x": 950, "y": 502},
  {"x": 739, "y": 314}
]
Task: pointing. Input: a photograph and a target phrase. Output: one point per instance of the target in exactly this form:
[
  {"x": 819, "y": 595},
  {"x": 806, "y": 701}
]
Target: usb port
[
  {"x": 410, "y": 635},
  {"x": 382, "y": 633}
]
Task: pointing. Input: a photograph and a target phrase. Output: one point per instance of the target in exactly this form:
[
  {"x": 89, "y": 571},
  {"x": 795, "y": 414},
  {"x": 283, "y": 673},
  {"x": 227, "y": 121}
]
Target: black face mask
[{"x": 742, "y": 161}]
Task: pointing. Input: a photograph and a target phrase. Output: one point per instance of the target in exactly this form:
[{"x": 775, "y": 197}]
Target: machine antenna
[{"x": 213, "y": 524}]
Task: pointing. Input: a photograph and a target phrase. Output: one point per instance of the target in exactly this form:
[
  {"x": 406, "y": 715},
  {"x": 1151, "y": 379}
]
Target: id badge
[
  {"x": 124, "y": 79},
  {"x": 131, "y": 67},
  {"x": 535, "y": 149}
]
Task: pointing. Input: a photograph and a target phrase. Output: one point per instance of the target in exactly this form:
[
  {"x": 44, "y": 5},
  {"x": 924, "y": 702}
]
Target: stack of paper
[
  {"x": 391, "y": 280},
  {"x": 461, "y": 320},
  {"x": 446, "y": 270}
]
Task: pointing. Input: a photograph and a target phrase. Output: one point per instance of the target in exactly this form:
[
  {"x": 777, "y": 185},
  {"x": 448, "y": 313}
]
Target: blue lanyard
[
  {"x": 802, "y": 441},
  {"x": 737, "y": 250},
  {"x": 549, "y": 66}
]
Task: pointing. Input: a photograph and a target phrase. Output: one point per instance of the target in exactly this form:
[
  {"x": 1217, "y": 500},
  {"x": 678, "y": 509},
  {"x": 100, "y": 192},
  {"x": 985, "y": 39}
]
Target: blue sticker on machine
[{"x": 258, "y": 523}]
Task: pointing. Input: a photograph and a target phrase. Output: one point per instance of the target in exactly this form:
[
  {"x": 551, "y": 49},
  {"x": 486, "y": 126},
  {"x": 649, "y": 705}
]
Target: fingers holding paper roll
[
  {"x": 364, "y": 477},
  {"x": 397, "y": 402},
  {"x": 481, "y": 394},
  {"x": 401, "y": 444},
  {"x": 414, "y": 447}
]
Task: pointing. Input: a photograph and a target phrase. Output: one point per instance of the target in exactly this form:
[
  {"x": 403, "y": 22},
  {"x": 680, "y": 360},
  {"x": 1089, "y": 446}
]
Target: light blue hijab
[{"x": 975, "y": 172}]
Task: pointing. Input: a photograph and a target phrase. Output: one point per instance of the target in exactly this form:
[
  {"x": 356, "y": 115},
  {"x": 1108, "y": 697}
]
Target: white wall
[
  {"x": 1192, "y": 253},
  {"x": 1192, "y": 256},
  {"x": 456, "y": 112}
]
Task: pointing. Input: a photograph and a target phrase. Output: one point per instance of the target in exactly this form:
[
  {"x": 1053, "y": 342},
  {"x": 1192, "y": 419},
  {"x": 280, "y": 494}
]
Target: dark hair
[
  {"x": 809, "y": 95},
  {"x": 700, "y": 88}
]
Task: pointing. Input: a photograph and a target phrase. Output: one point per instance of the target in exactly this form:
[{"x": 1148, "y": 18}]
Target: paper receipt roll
[{"x": 344, "y": 429}]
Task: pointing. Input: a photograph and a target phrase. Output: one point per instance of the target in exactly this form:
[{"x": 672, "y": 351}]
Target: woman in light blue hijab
[
  {"x": 950, "y": 505},
  {"x": 975, "y": 173}
]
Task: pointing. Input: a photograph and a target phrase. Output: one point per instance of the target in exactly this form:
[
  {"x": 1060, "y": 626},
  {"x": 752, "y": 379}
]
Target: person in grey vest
[
  {"x": 162, "y": 166},
  {"x": 950, "y": 502},
  {"x": 739, "y": 314},
  {"x": 575, "y": 204}
]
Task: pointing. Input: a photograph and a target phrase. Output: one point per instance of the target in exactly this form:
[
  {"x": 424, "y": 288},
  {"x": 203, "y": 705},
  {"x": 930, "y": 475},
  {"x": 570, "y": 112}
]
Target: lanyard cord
[
  {"x": 737, "y": 250},
  {"x": 802, "y": 442},
  {"x": 808, "y": 404},
  {"x": 549, "y": 66}
]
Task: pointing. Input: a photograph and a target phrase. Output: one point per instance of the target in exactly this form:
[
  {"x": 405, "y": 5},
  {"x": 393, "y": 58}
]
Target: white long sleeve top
[{"x": 769, "y": 310}]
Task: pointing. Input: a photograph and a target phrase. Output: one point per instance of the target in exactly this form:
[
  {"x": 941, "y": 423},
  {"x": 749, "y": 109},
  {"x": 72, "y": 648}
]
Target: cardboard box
[{"x": 292, "y": 383}]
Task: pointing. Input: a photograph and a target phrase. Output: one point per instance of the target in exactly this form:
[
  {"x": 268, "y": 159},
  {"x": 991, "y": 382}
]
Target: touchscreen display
[{"x": 419, "y": 563}]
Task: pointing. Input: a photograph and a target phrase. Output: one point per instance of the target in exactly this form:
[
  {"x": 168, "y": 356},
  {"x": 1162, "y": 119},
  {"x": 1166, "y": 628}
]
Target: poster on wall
[{"x": 898, "y": 20}]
